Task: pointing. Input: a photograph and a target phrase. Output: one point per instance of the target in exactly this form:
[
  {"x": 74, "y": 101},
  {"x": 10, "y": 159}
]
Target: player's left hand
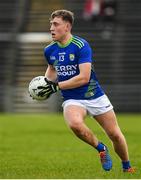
[{"x": 48, "y": 89}]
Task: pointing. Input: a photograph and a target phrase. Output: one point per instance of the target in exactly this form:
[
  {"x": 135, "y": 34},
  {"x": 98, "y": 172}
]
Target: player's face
[{"x": 59, "y": 29}]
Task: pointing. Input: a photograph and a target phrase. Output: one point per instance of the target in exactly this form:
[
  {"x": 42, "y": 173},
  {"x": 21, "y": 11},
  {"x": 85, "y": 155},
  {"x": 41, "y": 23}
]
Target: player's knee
[
  {"x": 114, "y": 136},
  {"x": 75, "y": 126}
]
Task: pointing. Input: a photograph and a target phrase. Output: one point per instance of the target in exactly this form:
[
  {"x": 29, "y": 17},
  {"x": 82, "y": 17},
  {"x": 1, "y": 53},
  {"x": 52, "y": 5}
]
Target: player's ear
[{"x": 68, "y": 26}]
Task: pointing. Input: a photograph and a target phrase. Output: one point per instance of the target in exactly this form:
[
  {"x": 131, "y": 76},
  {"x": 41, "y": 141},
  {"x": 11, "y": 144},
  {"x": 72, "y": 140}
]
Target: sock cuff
[
  {"x": 100, "y": 147},
  {"x": 126, "y": 164}
]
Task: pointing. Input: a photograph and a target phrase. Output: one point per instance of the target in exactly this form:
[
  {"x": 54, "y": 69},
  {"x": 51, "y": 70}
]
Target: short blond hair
[{"x": 64, "y": 14}]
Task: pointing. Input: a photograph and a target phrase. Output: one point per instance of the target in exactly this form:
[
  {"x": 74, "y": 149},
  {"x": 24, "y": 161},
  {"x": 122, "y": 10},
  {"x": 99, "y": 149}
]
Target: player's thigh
[
  {"x": 108, "y": 121},
  {"x": 74, "y": 114}
]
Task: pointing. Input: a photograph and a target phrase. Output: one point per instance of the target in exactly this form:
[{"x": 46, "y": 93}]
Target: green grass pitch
[{"x": 42, "y": 147}]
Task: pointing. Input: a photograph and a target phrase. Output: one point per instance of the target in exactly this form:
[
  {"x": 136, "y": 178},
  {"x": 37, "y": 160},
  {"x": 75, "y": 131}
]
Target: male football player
[{"x": 70, "y": 60}]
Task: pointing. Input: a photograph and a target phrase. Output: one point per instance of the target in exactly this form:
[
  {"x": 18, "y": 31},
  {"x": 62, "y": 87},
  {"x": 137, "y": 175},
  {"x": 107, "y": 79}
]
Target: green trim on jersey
[
  {"x": 53, "y": 42},
  {"x": 77, "y": 42},
  {"x": 73, "y": 39},
  {"x": 65, "y": 45}
]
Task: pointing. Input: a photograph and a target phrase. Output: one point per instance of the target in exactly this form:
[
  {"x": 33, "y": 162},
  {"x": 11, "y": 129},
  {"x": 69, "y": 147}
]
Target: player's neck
[{"x": 65, "y": 39}]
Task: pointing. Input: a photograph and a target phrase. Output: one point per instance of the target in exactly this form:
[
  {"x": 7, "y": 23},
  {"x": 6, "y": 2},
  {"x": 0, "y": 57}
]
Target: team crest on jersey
[{"x": 71, "y": 56}]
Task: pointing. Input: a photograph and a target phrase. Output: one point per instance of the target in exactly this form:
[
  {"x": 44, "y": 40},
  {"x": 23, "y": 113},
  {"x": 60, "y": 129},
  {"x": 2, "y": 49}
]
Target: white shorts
[{"x": 94, "y": 106}]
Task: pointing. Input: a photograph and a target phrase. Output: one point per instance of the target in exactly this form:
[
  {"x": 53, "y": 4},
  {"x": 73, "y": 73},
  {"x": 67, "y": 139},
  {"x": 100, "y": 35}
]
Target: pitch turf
[{"x": 42, "y": 147}]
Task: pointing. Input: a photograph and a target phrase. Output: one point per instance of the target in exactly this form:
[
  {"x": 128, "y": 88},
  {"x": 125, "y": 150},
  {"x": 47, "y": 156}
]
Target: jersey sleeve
[
  {"x": 86, "y": 54},
  {"x": 47, "y": 55}
]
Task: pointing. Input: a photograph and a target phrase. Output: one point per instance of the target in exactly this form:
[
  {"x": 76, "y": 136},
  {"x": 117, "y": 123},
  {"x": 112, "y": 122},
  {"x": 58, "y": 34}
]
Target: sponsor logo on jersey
[
  {"x": 71, "y": 56},
  {"x": 68, "y": 70}
]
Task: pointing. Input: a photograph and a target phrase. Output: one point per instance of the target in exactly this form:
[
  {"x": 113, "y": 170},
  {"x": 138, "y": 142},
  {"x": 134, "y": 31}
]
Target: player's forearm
[
  {"x": 52, "y": 77},
  {"x": 74, "y": 82},
  {"x": 51, "y": 74}
]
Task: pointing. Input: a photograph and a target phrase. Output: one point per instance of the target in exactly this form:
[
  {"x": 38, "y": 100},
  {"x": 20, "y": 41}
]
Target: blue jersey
[{"x": 66, "y": 60}]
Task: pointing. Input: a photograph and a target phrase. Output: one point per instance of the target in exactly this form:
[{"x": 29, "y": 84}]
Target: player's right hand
[{"x": 48, "y": 89}]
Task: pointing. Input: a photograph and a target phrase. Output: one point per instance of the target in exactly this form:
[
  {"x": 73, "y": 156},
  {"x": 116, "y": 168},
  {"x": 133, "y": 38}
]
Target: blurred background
[{"x": 112, "y": 28}]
